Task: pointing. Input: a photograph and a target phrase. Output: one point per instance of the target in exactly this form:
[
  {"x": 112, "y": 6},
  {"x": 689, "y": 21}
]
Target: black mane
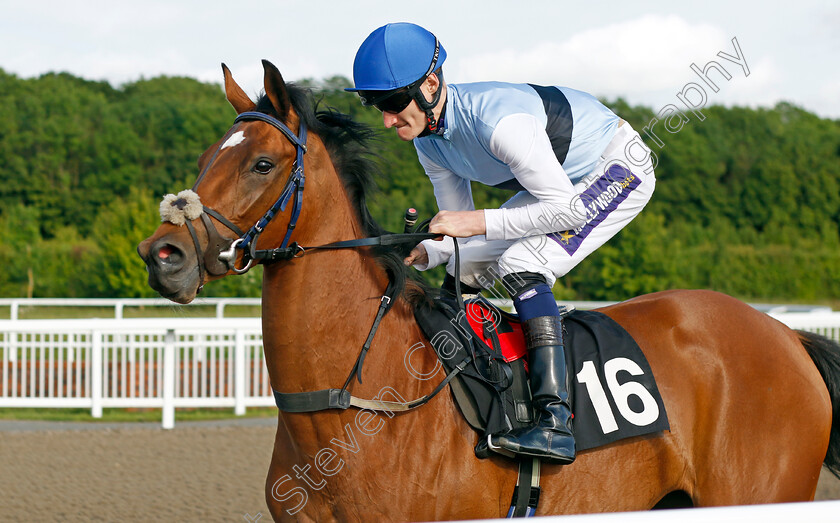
[{"x": 347, "y": 142}]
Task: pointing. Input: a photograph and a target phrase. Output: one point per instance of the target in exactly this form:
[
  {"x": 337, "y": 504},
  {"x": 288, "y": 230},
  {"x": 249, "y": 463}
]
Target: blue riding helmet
[
  {"x": 391, "y": 65},
  {"x": 394, "y": 56}
]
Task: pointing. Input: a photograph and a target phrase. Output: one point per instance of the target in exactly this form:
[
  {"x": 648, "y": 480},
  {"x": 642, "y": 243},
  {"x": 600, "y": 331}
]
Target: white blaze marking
[{"x": 235, "y": 139}]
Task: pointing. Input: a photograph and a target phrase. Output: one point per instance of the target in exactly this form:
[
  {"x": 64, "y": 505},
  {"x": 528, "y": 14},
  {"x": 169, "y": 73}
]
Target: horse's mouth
[{"x": 171, "y": 272}]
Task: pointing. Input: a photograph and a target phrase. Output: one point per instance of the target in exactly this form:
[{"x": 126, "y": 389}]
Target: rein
[{"x": 326, "y": 399}]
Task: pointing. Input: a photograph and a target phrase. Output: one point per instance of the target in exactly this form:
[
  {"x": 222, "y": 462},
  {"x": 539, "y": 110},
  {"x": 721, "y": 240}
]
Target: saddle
[{"x": 614, "y": 394}]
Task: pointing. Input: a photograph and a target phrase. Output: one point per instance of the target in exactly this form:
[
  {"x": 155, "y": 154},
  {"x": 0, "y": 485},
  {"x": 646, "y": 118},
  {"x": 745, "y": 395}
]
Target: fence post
[
  {"x": 6, "y": 373},
  {"x": 96, "y": 373},
  {"x": 168, "y": 420},
  {"x": 239, "y": 369},
  {"x": 13, "y": 310},
  {"x": 13, "y": 348}
]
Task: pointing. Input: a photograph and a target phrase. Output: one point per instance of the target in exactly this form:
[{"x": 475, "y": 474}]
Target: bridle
[
  {"x": 225, "y": 260},
  {"x": 293, "y": 188},
  {"x": 227, "y": 249}
]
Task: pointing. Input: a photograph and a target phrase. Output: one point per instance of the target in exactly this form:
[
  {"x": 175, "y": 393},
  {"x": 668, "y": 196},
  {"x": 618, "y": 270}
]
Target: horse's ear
[
  {"x": 275, "y": 89},
  {"x": 235, "y": 95}
]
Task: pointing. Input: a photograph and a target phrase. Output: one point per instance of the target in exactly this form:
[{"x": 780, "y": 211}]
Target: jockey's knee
[
  {"x": 518, "y": 282},
  {"x": 520, "y": 260},
  {"x": 448, "y": 286}
]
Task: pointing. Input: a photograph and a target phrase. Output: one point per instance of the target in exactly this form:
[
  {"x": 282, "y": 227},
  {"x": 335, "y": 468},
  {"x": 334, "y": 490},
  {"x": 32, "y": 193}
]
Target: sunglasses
[{"x": 390, "y": 101}]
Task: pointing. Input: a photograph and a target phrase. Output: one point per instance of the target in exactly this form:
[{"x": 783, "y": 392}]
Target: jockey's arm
[
  {"x": 522, "y": 143},
  {"x": 453, "y": 194}
]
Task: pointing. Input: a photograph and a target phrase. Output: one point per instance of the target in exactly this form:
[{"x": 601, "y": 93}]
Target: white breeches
[{"x": 614, "y": 193}]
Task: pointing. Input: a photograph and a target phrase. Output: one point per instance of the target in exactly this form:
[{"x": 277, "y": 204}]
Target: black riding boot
[{"x": 551, "y": 438}]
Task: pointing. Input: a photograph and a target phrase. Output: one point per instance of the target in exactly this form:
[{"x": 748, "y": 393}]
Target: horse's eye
[{"x": 263, "y": 167}]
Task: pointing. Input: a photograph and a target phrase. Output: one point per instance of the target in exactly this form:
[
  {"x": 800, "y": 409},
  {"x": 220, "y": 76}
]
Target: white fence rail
[
  {"x": 119, "y": 304},
  {"x": 825, "y": 323},
  {"x": 140, "y": 363},
  {"x": 166, "y": 363},
  {"x": 220, "y": 304}
]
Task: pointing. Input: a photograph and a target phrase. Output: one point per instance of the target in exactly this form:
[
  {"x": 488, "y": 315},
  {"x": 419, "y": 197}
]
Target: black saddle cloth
[{"x": 614, "y": 394}]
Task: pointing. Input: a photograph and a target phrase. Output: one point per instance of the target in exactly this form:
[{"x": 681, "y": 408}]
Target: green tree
[
  {"x": 19, "y": 233},
  {"x": 119, "y": 228},
  {"x": 747, "y": 200}
]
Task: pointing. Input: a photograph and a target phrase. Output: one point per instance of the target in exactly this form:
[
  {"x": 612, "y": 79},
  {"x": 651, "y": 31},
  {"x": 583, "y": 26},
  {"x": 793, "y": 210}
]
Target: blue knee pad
[{"x": 534, "y": 302}]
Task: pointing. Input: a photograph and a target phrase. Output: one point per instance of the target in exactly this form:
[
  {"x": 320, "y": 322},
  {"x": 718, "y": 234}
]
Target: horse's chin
[
  {"x": 180, "y": 290},
  {"x": 181, "y": 298}
]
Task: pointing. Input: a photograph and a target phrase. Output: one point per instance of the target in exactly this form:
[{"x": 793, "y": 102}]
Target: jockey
[{"x": 582, "y": 174}]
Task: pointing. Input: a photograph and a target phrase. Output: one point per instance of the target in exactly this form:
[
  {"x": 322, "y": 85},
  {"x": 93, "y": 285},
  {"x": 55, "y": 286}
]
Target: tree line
[{"x": 747, "y": 201}]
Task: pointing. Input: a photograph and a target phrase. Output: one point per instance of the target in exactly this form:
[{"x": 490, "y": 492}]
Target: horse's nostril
[
  {"x": 165, "y": 252},
  {"x": 169, "y": 255}
]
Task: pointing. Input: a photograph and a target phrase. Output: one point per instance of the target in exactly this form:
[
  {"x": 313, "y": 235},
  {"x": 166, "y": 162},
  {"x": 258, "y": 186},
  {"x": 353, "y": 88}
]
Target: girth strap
[
  {"x": 312, "y": 401},
  {"x": 526, "y": 493},
  {"x": 342, "y": 399}
]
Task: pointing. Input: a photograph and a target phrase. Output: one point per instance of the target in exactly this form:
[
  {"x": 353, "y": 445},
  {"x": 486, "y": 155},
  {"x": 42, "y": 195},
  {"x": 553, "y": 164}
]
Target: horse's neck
[
  {"x": 316, "y": 316},
  {"x": 319, "y": 309},
  {"x": 317, "y": 313}
]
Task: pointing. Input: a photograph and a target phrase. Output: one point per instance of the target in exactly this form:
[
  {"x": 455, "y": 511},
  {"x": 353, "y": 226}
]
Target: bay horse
[{"x": 750, "y": 402}]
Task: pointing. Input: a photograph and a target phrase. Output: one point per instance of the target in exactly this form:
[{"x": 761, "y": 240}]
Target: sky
[{"x": 642, "y": 51}]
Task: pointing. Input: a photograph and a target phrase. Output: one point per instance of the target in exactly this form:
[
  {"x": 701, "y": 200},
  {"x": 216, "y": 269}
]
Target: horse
[{"x": 753, "y": 405}]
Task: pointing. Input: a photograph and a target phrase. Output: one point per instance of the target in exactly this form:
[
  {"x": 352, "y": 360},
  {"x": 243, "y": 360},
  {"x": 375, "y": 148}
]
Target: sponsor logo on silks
[
  {"x": 564, "y": 236},
  {"x": 600, "y": 199},
  {"x": 529, "y": 294}
]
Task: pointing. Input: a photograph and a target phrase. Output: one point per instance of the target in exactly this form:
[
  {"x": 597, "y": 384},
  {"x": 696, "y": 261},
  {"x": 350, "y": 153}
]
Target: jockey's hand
[
  {"x": 458, "y": 224},
  {"x": 417, "y": 256}
]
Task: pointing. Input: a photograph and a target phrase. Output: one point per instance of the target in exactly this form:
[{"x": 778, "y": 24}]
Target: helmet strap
[{"x": 432, "y": 124}]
